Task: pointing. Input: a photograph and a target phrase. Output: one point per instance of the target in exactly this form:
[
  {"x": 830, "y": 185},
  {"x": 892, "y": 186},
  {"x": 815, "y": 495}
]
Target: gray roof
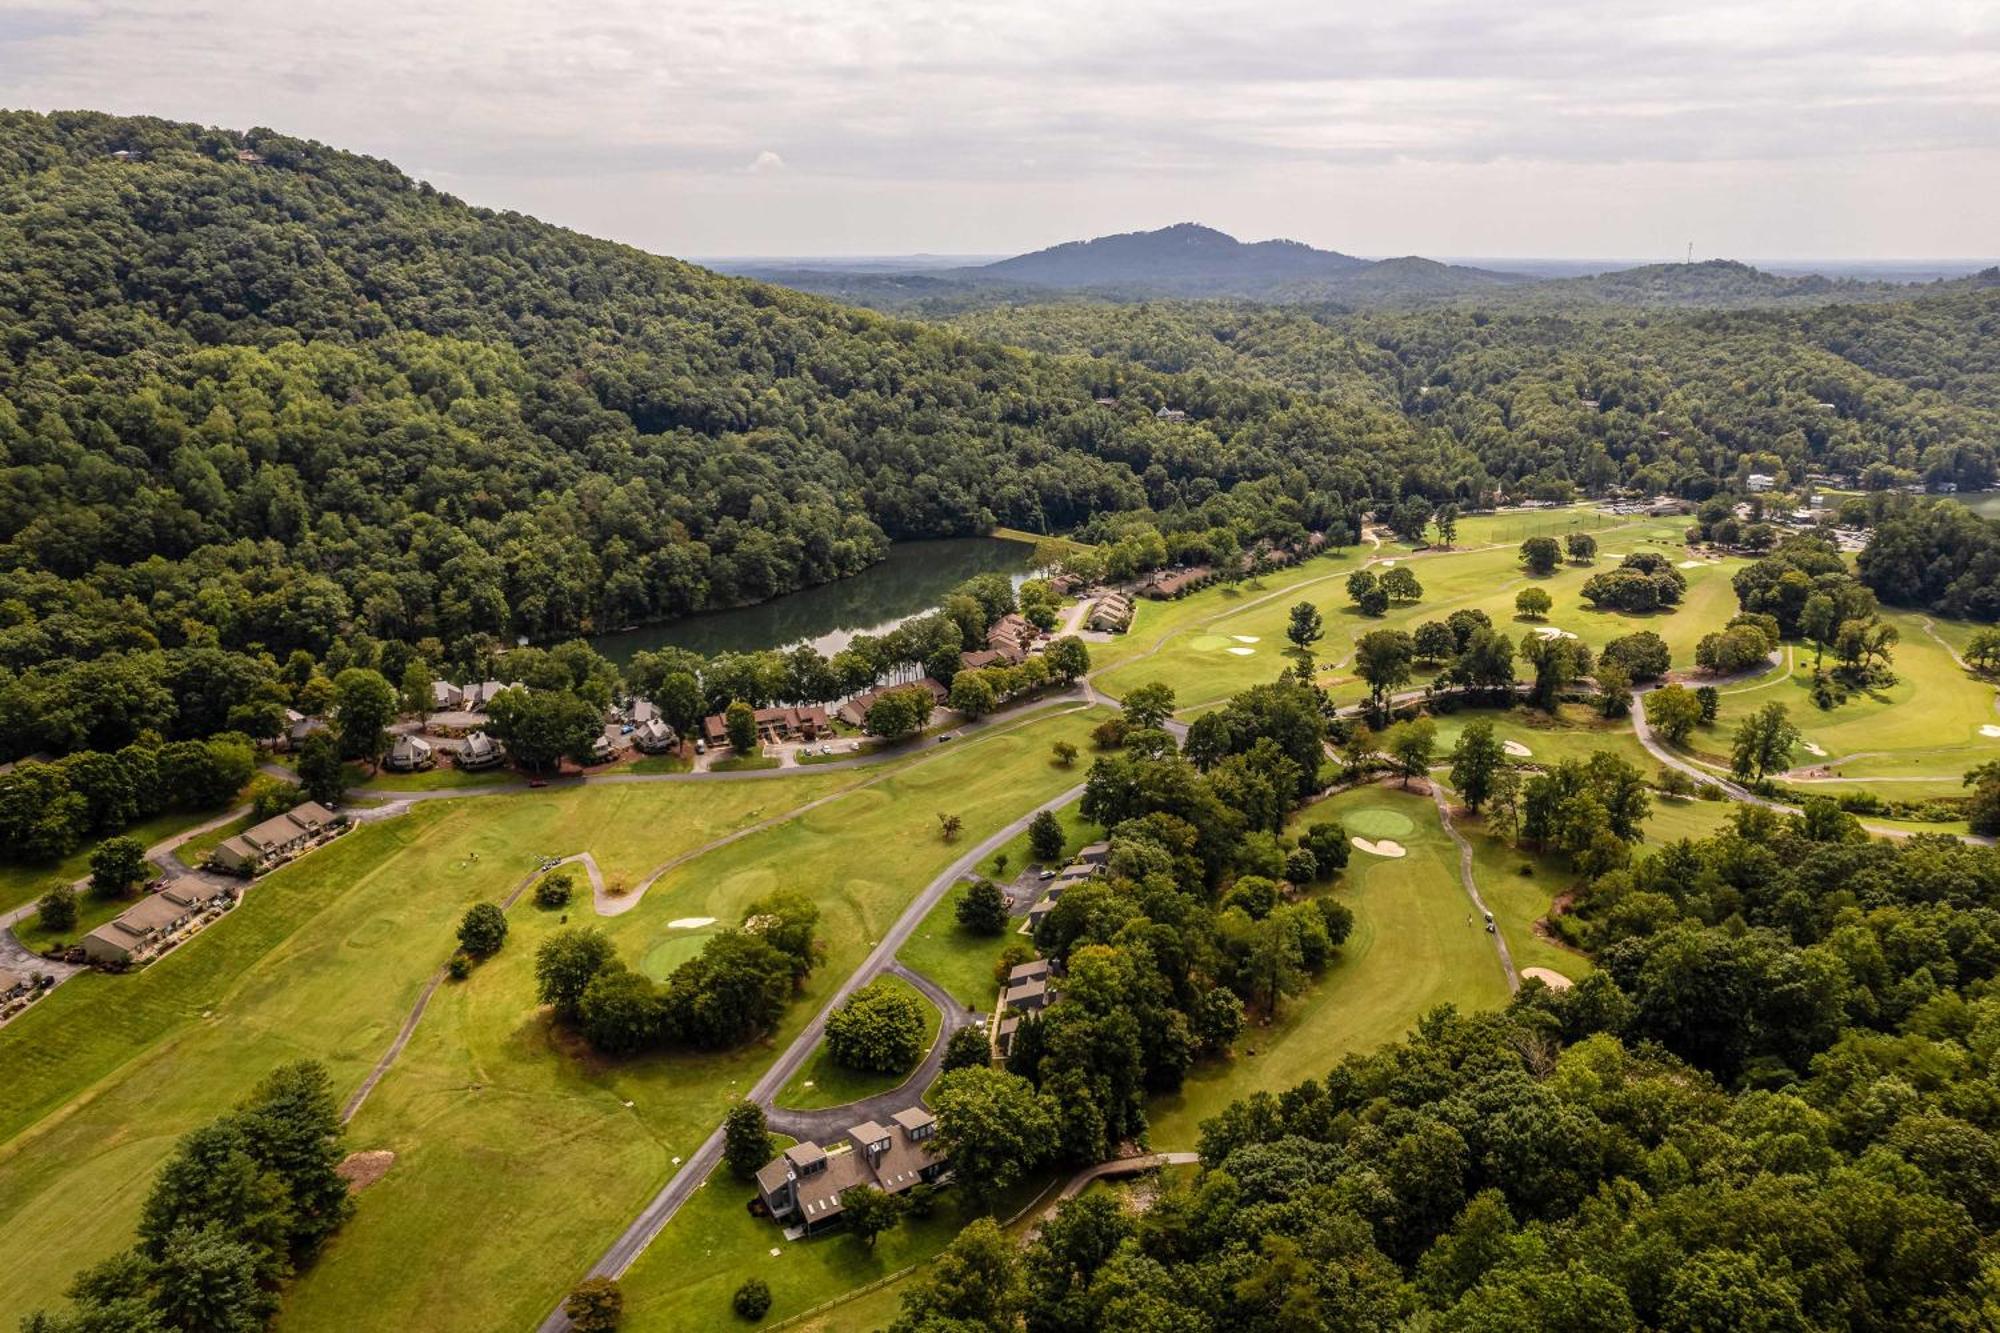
[{"x": 913, "y": 1117}]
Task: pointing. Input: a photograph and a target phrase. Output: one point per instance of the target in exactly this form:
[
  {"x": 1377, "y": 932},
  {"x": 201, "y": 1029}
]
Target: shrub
[
  {"x": 982, "y": 908},
  {"x": 879, "y": 1029},
  {"x": 460, "y": 967},
  {"x": 596, "y": 1306},
  {"x": 554, "y": 891},
  {"x": 482, "y": 930},
  {"x": 56, "y": 912},
  {"x": 753, "y": 1299}
]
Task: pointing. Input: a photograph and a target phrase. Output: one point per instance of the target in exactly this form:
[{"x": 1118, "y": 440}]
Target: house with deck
[
  {"x": 410, "y": 754},
  {"x": 801, "y": 1186}
]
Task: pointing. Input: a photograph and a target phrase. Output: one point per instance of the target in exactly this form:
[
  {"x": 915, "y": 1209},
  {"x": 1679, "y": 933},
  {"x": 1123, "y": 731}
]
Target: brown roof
[
  {"x": 191, "y": 892},
  {"x": 819, "y": 1193},
  {"x": 903, "y": 1164},
  {"x": 151, "y": 913},
  {"x": 913, "y": 1118},
  {"x": 1034, "y": 971}
]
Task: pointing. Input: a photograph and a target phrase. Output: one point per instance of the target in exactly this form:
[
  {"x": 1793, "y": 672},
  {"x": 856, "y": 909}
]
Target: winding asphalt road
[
  {"x": 833, "y": 1121},
  {"x": 689, "y": 1177}
]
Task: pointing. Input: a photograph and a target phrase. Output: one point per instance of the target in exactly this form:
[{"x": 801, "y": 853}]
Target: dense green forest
[
  {"x": 1545, "y": 400},
  {"x": 261, "y": 398},
  {"x": 1773, "y": 1108}
]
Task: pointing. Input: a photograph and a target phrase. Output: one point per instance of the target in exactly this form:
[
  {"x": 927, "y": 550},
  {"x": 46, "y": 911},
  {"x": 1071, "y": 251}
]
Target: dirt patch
[
  {"x": 1549, "y": 977},
  {"x": 362, "y": 1169}
]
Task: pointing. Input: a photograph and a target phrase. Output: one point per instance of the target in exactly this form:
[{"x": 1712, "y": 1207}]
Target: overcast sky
[{"x": 1611, "y": 129}]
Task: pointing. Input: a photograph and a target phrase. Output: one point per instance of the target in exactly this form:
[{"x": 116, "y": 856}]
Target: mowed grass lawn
[
  {"x": 955, "y": 958},
  {"x": 1413, "y": 948},
  {"x": 24, "y": 883},
  {"x": 1218, "y": 641},
  {"x": 497, "y": 1115},
  {"x": 1925, "y": 725},
  {"x": 323, "y": 959},
  {"x": 826, "y": 1082}
]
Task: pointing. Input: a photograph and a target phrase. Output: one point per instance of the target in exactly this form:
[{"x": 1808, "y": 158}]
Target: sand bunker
[
  {"x": 1989, "y": 730},
  {"x": 1244, "y": 638},
  {"x": 1242, "y": 652},
  {"x": 1553, "y": 980},
  {"x": 1515, "y": 748},
  {"x": 1551, "y": 632},
  {"x": 1692, "y": 564},
  {"x": 1383, "y": 848},
  {"x": 362, "y": 1169},
  {"x": 1813, "y": 747},
  {"x": 690, "y": 922},
  {"x": 1388, "y": 564}
]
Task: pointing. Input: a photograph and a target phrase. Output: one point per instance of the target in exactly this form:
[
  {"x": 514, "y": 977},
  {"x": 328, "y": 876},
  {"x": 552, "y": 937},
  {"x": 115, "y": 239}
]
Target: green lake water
[{"x": 912, "y": 580}]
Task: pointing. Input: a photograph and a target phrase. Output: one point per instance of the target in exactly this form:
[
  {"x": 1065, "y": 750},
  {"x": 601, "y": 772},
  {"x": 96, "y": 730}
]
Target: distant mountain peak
[{"x": 1184, "y": 259}]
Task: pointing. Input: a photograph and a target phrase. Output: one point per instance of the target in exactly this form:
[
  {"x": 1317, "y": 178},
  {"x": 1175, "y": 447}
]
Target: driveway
[{"x": 693, "y": 1172}]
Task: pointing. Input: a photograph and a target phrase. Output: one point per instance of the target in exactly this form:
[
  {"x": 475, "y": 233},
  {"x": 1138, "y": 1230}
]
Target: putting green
[
  {"x": 1376, "y": 822},
  {"x": 660, "y": 960}
]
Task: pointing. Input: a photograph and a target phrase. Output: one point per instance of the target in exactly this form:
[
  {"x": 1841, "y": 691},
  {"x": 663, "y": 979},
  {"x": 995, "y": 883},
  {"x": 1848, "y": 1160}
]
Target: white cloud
[{"x": 1452, "y": 126}]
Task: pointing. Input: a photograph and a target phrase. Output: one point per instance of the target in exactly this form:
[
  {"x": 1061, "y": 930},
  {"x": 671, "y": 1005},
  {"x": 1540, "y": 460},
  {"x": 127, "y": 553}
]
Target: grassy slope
[
  {"x": 824, "y": 1082},
  {"x": 496, "y": 1115},
  {"x": 1411, "y": 950},
  {"x": 323, "y": 959}
]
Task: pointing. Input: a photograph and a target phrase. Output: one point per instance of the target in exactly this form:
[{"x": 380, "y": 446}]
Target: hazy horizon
[{"x": 1582, "y": 131}]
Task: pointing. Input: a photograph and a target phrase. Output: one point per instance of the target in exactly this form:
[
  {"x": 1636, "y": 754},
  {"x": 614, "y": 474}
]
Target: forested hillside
[
  {"x": 259, "y": 398},
  {"x": 1887, "y": 394},
  {"x": 1773, "y": 1108}
]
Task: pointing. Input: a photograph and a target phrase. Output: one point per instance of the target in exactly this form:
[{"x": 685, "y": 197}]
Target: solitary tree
[
  {"x": 1065, "y": 753},
  {"x": 949, "y": 825},
  {"x": 1446, "y": 522},
  {"x": 880, "y": 1029},
  {"x": 1045, "y": 836},
  {"x": 1534, "y": 603},
  {"x": 753, "y": 1299},
  {"x": 1710, "y": 701},
  {"x": 1764, "y": 742},
  {"x": 1582, "y": 547},
  {"x": 482, "y": 930},
  {"x": 1474, "y": 760},
  {"x": 1541, "y": 555},
  {"x": 746, "y": 1139},
  {"x": 1307, "y": 627},
  {"x": 982, "y": 908}
]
